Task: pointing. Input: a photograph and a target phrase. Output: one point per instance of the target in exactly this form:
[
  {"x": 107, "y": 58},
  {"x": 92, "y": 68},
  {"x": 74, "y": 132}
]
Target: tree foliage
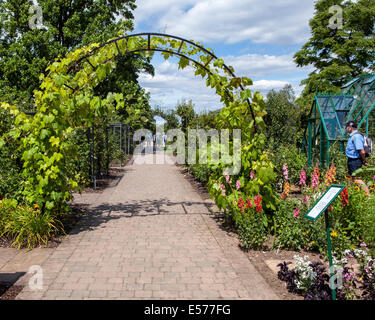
[
  {"x": 282, "y": 118},
  {"x": 67, "y": 25},
  {"x": 172, "y": 121},
  {"x": 337, "y": 54},
  {"x": 185, "y": 110}
]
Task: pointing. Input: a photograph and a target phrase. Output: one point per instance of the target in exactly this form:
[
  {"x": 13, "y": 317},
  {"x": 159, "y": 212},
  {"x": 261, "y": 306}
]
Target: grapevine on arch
[{"x": 66, "y": 101}]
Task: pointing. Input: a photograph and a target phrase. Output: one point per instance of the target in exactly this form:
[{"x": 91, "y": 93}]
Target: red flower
[
  {"x": 345, "y": 197},
  {"x": 241, "y": 204},
  {"x": 258, "y": 200},
  {"x": 249, "y": 204},
  {"x": 1, "y": 197}
]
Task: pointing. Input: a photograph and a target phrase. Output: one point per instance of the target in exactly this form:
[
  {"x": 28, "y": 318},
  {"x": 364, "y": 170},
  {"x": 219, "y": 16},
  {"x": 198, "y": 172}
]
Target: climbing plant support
[{"x": 67, "y": 100}]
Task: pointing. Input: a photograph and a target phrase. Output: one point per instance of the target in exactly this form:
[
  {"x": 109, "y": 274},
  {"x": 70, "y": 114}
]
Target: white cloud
[
  {"x": 259, "y": 21},
  {"x": 256, "y": 65},
  {"x": 170, "y": 85},
  {"x": 278, "y": 23},
  {"x": 267, "y": 85}
]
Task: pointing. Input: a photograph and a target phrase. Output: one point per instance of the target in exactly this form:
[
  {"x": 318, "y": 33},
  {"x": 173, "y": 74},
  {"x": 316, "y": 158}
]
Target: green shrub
[
  {"x": 290, "y": 230},
  {"x": 369, "y": 230},
  {"x": 354, "y": 219},
  {"x": 7, "y": 206},
  {"x": 294, "y": 158},
  {"x": 200, "y": 172},
  {"x": 251, "y": 225},
  {"x": 10, "y": 161},
  {"x": 26, "y": 227}
]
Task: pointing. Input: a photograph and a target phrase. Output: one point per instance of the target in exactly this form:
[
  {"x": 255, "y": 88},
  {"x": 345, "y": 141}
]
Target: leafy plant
[
  {"x": 251, "y": 223},
  {"x": 309, "y": 279},
  {"x": 289, "y": 229},
  {"x": 25, "y": 226},
  {"x": 200, "y": 172},
  {"x": 295, "y": 160}
]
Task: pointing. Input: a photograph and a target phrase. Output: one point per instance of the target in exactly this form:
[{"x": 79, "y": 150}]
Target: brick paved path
[{"x": 151, "y": 237}]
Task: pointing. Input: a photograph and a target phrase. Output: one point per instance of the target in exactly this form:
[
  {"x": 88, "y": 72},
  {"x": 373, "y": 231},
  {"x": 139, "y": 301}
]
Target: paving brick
[
  {"x": 138, "y": 243},
  {"x": 97, "y": 294},
  {"x": 80, "y": 294},
  {"x": 143, "y": 294}
]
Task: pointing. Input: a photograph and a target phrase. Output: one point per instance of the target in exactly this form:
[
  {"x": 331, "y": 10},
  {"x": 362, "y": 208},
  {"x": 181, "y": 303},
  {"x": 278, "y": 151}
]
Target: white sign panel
[{"x": 324, "y": 202}]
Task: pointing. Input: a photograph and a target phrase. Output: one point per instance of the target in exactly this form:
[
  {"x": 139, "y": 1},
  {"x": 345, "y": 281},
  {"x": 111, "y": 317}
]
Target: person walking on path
[
  {"x": 355, "y": 152},
  {"x": 164, "y": 140}
]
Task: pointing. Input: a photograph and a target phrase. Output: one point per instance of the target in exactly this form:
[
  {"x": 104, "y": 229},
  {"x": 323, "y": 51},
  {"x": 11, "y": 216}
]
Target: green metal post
[
  {"x": 321, "y": 157},
  {"x": 309, "y": 142},
  {"x": 332, "y": 281},
  {"x": 366, "y": 115}
]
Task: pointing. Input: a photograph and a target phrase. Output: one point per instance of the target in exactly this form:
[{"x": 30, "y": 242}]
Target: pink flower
[
  {"x": 252, "y": 174},
  {"x": 296, "y": 213},
  {"x": 302, "y": 178},
  {"x": 373, "y": 178},
  {"x": 306, "y": 199},
  {"x": 314, "y": 182},
  {"x": 238, "y": 185},
  {"x": 285, "y": 172},
  {"x": 222, "y": 187},
  {"x": 226, "y": 177}
]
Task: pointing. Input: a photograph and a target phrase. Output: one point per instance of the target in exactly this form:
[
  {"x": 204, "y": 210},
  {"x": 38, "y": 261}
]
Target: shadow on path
[{"x": 103, "y": 213}]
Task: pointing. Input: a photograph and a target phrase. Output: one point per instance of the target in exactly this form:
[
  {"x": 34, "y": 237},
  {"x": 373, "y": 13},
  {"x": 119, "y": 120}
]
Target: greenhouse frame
[{"x": 330, "y": 112}]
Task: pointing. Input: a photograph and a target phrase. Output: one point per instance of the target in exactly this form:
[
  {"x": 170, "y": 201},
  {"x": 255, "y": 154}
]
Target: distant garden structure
[{"x": 330, "y": 111}]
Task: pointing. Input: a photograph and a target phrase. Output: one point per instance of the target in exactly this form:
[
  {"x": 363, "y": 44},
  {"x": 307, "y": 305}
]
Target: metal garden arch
[{"x": 169, "y": 50}]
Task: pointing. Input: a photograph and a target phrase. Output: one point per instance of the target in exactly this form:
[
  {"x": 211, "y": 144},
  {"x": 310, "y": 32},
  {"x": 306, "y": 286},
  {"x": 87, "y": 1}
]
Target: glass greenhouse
[{"x": 330, "y": 112}]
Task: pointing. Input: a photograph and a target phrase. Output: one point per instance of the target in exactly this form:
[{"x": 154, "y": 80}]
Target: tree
[
  {"x": 282, "y": 117},
  {"x": 68, "y": 24},
  {"x": 337, "y": 54},
  {"x": 169, "y": 116},
  {"x": 205, "y": 120},
  {"x": 185, "y": 110},
  {"x": 25, "y": 53}
]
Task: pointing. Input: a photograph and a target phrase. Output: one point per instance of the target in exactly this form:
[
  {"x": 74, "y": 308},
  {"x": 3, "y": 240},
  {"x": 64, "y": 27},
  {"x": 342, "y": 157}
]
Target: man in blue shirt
[{"x": 355, "y": 151}]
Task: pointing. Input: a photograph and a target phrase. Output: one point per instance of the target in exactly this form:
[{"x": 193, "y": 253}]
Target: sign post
[
  {"x": 330, "y": 255},
  {"x": 314, "y": 213}
]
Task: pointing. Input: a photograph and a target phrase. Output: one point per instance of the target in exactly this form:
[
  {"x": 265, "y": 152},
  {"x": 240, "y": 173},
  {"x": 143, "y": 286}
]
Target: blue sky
[{"x": 257, "y": 37}]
